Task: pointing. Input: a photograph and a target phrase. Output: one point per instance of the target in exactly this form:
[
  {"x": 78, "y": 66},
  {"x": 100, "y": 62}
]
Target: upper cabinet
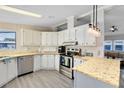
[
  {"x": 49, "y": 38},
  {"x": 66, "y": 35},
  {"x": 61, "y": 37},
  {"x": 43, "y": 38},
  {"x": 27, "y": 37},
  {"x": 30, "y": 38},
  {"x": 54, "y": 39},
  {"x": 83, "y": 37},
  {"x": 80, "y": 35},
  {"x": 72, "y": 35},
  {"x": 90, "y": 39},
  {"x": 36, "y": 40}
]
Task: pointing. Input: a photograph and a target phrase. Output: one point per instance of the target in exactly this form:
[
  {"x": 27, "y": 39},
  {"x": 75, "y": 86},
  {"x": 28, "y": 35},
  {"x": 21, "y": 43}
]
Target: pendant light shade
[{"x": 93, "y": 28}]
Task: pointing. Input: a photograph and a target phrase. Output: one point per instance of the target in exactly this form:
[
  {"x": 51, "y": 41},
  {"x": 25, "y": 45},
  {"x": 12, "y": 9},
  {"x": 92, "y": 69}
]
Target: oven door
[{"x": 66, "y": 61}]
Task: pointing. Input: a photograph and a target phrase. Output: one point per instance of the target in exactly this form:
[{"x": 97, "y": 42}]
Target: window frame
[{"x": 6, "y": 31}]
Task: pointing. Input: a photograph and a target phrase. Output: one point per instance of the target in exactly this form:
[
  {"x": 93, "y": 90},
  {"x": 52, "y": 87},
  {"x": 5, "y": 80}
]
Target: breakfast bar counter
[{"x": 101, "y": 69}]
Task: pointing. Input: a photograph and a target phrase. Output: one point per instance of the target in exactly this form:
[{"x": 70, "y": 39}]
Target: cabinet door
[
  {"x": 12, "y": 69},
  {"x": 61, "y": 37},
  {"x": 54, "y": 39},
  {"x": 90, "y": 39},
  {"x": 66, "y": 35},
  {"x": 44, "y": 62},
  {"x": 37, "y": 62},
  {"x": 3, "y": 73},
  {"x": 51, "y": 63},
  {"x": 27, "y": 37},
  {"x": 36, "y": 38},
  {"x": 49, "y": 38},
  {"x": 57, "y": 59},
  {"x": 80, "y": 35},
  {"x": 72, "y": 34},
  {"x": 44, "y": 38}
]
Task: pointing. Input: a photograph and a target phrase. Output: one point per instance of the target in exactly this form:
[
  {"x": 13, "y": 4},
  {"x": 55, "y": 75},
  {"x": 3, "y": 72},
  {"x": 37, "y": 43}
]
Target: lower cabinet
[
  {"x": 3, "y": 73},
  {"x": 8, "y": 70},
  {"x": 51, "y": 62},
  {"x": 12, "y": 69},
  {"x": 44, "y": 62},
  {"x": 47, "y": 62},
  {"x": 57, "y": 59},
  {"x": 37, "y": 62}
]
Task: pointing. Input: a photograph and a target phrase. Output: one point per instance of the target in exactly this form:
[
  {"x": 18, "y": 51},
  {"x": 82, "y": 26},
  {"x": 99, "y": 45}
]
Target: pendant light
[{"x": 93, "y": 28}]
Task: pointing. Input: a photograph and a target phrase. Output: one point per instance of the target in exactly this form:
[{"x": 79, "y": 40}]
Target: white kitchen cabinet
[
  {"x": 51, "y": 64},
  {"x": 57, "y": 61},
  {"x": 66, "y": 35},
  {"x": 12, "y": 68},
  {"x": 30, "y": 38},
  {"x": 54, "y": 39},
  {"x": 83, "y": 37},
  {"x": 37, "y": 62},
  {"x": 72, "y": 36},
  {"x": 90, "y": 40},
  {"x": 60, "y": 38},
  {"x": 36, "y": 40},
  {"x": 3, "y": 73},
  {"x": 44, "y": 62},
  {"x": 48, "y": 62},
  {"x": 44, "y": 38},
  {"x": 27, "y": 37},
  {"x": 80, "y": 35},
  {"x": 49, "y": 39}
]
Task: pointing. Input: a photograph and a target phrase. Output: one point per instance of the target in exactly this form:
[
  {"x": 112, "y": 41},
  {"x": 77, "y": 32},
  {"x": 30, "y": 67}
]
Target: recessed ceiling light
[{"x": 19, "y": 11}]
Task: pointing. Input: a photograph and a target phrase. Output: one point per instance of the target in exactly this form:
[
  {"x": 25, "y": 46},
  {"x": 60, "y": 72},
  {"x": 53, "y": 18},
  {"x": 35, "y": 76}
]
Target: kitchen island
[{"x": 97, "y": 72}]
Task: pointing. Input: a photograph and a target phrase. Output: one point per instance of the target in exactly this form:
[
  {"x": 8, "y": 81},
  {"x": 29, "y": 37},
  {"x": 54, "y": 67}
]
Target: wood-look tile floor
[{"x": 41, "y": 79}]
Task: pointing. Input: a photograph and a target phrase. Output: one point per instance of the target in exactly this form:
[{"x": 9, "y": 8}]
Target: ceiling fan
[{"x": 113, "y": 28}]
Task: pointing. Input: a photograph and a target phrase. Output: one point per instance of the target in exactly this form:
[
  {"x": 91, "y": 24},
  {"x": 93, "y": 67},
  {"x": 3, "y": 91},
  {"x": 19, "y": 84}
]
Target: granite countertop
[
  {"x": 11, "y": 54},
  {"x": 106, "y": 70}
]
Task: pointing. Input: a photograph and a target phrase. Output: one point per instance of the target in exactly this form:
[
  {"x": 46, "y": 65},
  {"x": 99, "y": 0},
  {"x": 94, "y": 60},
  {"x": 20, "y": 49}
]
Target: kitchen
[{"x": 45, "y": 50}]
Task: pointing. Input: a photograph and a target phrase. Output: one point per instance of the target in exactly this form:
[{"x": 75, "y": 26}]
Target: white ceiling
[
  {"x": 52, "y": 14},
  {"x": 115, "y": 16}
]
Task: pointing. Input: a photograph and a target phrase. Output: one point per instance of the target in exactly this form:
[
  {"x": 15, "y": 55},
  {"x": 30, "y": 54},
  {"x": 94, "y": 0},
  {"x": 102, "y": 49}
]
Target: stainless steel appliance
[
  {"x": 61, "y": 49},
  {"x": 67, "y": 61},
  {"x": 25, "y": 65},
  {"x": 66, "y": 65}
]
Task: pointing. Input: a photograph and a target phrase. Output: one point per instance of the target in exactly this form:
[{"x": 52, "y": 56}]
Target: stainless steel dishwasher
[{"x": 25, "y": 65}]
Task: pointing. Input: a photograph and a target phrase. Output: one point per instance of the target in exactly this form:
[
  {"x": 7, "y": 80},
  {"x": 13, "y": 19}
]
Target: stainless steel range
[{"x": 67, "y": 61}]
